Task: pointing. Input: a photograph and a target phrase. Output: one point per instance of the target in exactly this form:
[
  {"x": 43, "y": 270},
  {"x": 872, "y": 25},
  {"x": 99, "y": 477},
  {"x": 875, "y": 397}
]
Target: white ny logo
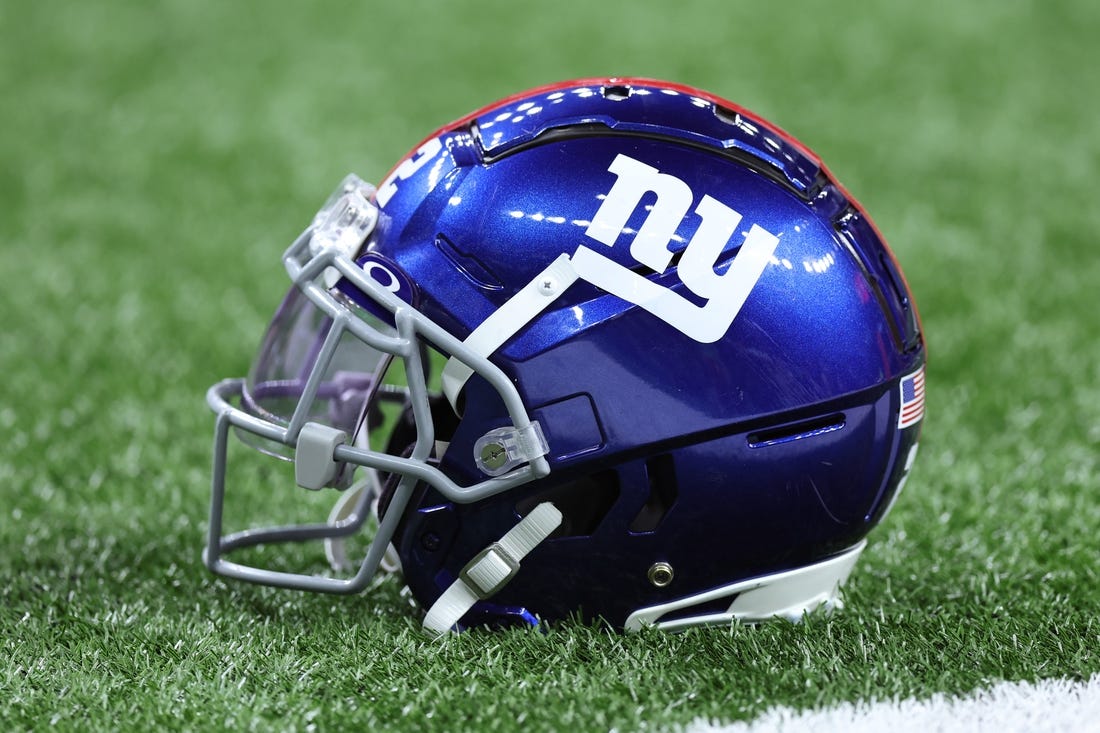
[{"x": 725, "y": 294}]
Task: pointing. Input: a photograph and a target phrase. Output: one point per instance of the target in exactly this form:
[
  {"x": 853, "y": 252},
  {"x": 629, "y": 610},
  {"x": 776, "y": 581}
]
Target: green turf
[{"x": 156, "y": 157}]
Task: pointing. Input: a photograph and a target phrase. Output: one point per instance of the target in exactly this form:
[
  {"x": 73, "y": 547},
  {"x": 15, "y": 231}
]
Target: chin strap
[
  {"x": 492, "y": 568},
  {"x": 351, "y": 504}
]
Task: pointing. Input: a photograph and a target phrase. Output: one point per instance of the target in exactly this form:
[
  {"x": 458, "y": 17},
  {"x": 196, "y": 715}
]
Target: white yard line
[{"x": 1008, "y": 707}]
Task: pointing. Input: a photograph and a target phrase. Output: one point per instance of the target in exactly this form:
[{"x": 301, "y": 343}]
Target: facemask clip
[
  {"x": 314, "y": 466},
  {"x": 502, "y": 449}
]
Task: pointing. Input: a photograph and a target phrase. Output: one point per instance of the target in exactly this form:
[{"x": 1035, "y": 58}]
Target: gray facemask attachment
[{"x": 318, "y": 380}]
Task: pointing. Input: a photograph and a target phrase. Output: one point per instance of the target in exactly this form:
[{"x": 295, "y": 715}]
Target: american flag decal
[{"x": 912, "y": 399}]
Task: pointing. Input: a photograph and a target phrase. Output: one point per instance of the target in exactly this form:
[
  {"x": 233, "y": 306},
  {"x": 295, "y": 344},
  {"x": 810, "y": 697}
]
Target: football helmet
[{"x": 611, "y": 348}]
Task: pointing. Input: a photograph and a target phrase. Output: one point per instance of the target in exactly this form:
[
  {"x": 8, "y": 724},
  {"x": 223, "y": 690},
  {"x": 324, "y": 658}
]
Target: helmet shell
[{"x": 769, "y": 447}]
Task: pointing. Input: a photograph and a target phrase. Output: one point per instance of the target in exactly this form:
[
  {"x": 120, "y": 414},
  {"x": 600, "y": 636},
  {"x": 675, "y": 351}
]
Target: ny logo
[{"x": 724, "y": 293}]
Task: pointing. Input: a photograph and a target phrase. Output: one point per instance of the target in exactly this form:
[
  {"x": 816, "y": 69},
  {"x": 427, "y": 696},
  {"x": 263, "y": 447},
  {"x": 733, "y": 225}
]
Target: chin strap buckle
[{"x": 492, "y": 568}]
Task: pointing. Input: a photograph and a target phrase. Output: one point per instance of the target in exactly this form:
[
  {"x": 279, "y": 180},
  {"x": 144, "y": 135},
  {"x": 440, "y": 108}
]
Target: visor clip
[
  {"x": 502, "y": 449},
  {"x": 314, "y": 465}
]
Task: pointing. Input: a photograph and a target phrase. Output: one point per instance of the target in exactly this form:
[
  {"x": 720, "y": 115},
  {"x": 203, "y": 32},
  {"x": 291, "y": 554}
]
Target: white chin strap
[
  {"x": 492, "y": 568},
  {"x": 507, "y": 320},
  {"x": 347, "y": 506}
]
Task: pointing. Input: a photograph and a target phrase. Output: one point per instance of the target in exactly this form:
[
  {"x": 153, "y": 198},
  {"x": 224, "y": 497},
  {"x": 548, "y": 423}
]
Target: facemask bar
[{"x": 317, "y": 258}]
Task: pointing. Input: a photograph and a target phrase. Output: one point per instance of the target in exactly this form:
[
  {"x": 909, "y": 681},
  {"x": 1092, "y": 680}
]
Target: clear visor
[
  {"x": 288, "y": 355},
  {"x": 316, "y": 365}
]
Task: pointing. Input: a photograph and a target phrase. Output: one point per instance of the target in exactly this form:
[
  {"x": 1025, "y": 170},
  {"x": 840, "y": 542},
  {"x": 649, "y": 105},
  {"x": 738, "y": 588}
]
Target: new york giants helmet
[{"x": 609, "y": 349}]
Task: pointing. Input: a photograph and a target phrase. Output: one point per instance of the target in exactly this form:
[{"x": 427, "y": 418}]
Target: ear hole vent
[
  {"x": 662, "y": 494},
  {"x": 583, "y": 503},
  {"x": 796, "y": 431}
]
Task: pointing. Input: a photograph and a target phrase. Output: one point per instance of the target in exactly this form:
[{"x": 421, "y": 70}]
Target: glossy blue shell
[{"x": 772, "y": 447}]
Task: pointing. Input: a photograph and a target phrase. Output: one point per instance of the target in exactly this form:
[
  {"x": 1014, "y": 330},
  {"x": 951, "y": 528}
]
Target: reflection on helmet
[{"x": 610, "y": 349}]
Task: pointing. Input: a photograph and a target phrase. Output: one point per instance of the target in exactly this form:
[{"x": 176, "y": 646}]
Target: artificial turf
[{"x": 155, "y": 159}]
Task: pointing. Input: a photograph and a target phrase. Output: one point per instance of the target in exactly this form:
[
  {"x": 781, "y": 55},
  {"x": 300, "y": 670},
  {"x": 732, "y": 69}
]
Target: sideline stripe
[{"x": 1008, "y": 707}]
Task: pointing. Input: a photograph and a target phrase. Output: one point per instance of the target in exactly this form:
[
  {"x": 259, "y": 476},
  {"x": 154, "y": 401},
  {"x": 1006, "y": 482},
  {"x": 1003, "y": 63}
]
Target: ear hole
[
  {"x": 583, "y": 503},
  {"x": 663, "y": 492}
]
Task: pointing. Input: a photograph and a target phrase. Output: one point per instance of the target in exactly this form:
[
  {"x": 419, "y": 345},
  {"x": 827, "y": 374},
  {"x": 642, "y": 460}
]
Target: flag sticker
[{"x": 912, "y": 399}]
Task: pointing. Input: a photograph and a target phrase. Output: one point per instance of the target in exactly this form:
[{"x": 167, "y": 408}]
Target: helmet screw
[
  {"x": 493, "y": 455},
  {"x": 548, "y": 286},
  {"x": 660, "y": 574},
  {"x": 429, "y": 541}
]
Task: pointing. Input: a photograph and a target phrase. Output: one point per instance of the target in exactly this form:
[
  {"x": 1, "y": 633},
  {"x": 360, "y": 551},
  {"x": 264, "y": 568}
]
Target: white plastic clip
[
  {"x": 346, "y": 218},
  {"x": 344, "y": 222},
  {"x": 502, "y": 449}
]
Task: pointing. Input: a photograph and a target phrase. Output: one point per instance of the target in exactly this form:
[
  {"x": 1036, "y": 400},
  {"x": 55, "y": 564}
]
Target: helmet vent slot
[
  {"x": 472, "y": 268},
  {"x": 796, "y": 431},
  {"x": 729, "y": 116},
  {"x": 662, "y": 494},
  {"x": 583, "y": 503},
  {"x": 616, "y": 92}
]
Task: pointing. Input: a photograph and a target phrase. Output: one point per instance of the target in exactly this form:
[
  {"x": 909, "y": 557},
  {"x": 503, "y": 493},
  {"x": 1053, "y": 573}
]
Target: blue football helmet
[{"x": 609, "y": 349}]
